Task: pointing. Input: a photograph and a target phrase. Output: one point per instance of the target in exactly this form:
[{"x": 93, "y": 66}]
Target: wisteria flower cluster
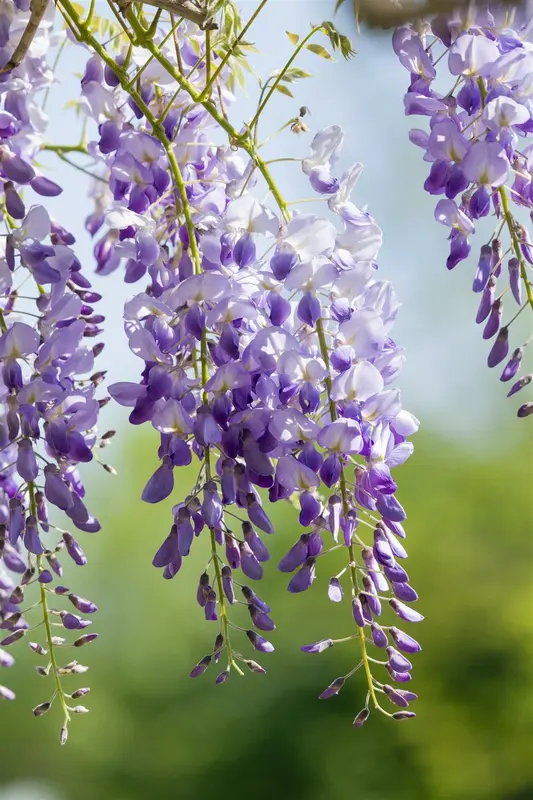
[
  {"x": 480, "y": 155},
  {"x": 48, "y": 387},
  {"x": 264, "y": 336}
]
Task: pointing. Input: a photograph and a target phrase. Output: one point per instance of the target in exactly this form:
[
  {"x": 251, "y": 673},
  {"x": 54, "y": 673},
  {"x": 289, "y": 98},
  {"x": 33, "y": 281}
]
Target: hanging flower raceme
[
  {"x": 479, "y": 149},
  {"x": 48, "y": 404},
  {"x": 132, "y": 165},
  {"x": 267, "y": 363},
  {"x": 272, "y": 366}
]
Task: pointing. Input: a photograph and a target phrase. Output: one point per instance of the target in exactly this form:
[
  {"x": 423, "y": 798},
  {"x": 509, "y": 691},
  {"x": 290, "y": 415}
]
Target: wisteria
[
  {"x": 480, "y": 157},
  {"x": 264, "y": 333},
  {"x": 243, "y": 369},
  {"x": 48, "y": 392}
]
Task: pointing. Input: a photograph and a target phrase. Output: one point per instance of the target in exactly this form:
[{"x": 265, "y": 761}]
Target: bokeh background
[{"x": 154, "y": 733}]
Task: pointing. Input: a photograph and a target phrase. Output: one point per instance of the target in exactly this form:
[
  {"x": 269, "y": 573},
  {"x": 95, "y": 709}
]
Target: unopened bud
[
  {"x": 80, "y": 692},
  {"x": 404, "y": 715},
  {"x": 217, "y": 650},
  {"x": 63, "y": 735},
  {"x": 222, "y": 677},
  {"x": 43, "y": 671},
  {"x": 10, "y": 622},
  {"x": 74, "y": 668},
  {"x": 201, "y": 667},
  {"x": 361, "y": 718},
  {"x": 55, "y": 564},
  {"x": 253, "y": 666},
  {"x": 26, "y": 578},
  {"x": 17, "y": 596},
  {"x": 12, "y": 638},
  {"x": 82, "y": 604},
  {"x": 332, "y": 689},
  {"x": 86, "y": 639},
  {"x": 80, "y": 710},
  {"x": 98, "y": 377},
  {"x": 525, "y": 410},
  {"x": 38, "y": 648},
  {"x": 41, "y": 709}
]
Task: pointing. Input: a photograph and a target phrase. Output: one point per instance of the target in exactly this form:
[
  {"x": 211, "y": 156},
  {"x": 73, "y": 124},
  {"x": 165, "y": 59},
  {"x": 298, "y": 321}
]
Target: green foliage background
[{"x": 152, "y": 732}]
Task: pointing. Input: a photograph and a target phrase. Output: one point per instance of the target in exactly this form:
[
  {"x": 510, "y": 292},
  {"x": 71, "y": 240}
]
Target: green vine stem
[
  {"x": 214, "y": 553},
  {"x": 66, "y": 148},
  {"x": 209, "y": 85},
  {"x": 508, "y": 217},
  {"x": 515, "y": 242},
  {"x": 282, "y": 72},
  {"x": 48, "y": 630},
  {"x": 345, "y": 507}
]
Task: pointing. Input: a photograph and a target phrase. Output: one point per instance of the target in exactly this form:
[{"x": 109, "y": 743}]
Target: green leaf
[
  {"x": 237, "y": 71},
  {"x": 295, "y": 74},
  {"x": 320, "y": 51},
  {"x": 293, "y": 37},
  {"x": 338, "y": 40},
  {"x": 283, "y": 89}
]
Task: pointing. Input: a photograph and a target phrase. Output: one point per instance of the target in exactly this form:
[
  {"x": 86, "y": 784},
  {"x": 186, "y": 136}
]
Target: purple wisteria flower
[
  {"x": 266, "y": 357},
  {"x": 479, "y": 149},
  {"x": 274, "y": 372},
  {"x": 48, "y": 385}
]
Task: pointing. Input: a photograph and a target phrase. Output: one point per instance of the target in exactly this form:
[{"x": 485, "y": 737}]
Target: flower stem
[
  {"x": 46, "y": 620},
  {"x": 279, "y": 77},
  {"x": 345, "y": 507},
  {"x": 240, "y": 140},
  {"x": 211, "y": 81},
  {"x": 515, "y": 242},
  {"x": 214, "y": 554}
]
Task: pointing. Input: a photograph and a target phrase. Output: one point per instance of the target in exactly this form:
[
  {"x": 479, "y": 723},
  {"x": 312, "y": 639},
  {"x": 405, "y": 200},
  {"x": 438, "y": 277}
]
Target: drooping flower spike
[
  {"x": 48, "y": 399},
  {"x": 267, "y": 360},
  {"x": 479, "y": 150}
]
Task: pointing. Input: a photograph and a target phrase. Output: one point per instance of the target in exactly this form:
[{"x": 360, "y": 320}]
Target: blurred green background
[{"x": 153, "y": 732}]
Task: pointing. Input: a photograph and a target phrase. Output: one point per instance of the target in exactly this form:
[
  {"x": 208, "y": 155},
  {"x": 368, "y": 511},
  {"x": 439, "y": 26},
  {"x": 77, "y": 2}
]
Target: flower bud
[
  {"x": 87, "y": 638},
  {"x": 332, "y": 689},
  {"x": 201, "y": 667},
  {"x": 361, "y": 718},
  {"x": 335, "y": 590},
  {"x": 12, "y": 638},
  {"x": 41, "y": 709},
  {"x": 259, "y": 642},
  {"x": 318, "y": 647},
  {"x": 253, "y": 666},
  {"x": 38, "y": 648},
  {"x": 80, "y": 692}
]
